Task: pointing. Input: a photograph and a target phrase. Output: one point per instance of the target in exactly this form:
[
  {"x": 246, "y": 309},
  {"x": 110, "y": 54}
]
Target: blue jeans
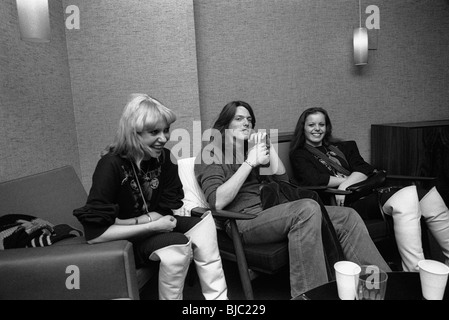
[{"x": 300, "y": 222}]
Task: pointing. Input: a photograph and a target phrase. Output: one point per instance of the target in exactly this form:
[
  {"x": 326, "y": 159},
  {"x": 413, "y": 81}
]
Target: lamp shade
[
  {"x": 360, "y": 46},
  {"x": 34, "y": 20}
]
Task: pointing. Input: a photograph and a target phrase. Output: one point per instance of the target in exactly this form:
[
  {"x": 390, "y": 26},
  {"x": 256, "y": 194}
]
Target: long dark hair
[
  {"x": 299, "y": 139},
  {"x": 225, "y": 118},
  {"x": 227, "y": 115}
]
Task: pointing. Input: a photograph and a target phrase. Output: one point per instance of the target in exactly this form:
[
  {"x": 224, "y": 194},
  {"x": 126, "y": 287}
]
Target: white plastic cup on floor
[
  {"x": 433, "y": 275},
  {"x": 347, "y": 277}
]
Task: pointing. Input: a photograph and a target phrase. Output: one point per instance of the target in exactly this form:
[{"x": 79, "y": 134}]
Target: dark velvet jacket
[{"x": 116, "y": 194}]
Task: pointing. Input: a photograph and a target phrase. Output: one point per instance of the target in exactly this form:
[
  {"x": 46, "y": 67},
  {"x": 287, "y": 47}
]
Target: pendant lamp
[
  {"x": 360, "y": 39},
  {"x": 34, "y": 20}
]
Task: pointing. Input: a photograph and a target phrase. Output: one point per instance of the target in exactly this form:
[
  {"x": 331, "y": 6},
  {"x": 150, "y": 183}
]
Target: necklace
[
  {"x": 151, "y": 176},
  {"x": 140, "y": 189}
]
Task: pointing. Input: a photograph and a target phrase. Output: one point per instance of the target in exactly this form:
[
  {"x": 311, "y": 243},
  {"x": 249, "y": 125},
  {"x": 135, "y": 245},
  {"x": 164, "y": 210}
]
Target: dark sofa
[{"x": 71, "y": 268}]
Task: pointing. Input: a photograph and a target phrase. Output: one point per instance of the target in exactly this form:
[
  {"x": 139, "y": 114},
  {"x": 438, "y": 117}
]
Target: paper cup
[
  {"x": 347, "y": 277},
  {"x": 433, "y": 276}
]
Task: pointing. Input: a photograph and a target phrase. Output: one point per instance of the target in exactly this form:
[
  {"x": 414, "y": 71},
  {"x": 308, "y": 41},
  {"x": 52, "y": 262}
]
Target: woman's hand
[
  {"x": 340, "y": 199},
  {"x": 154, "y": 216},
  {"x": 139, "y": 220},
  {"x": 164, "y": 224},
  {"x": 347, "y": 182}
]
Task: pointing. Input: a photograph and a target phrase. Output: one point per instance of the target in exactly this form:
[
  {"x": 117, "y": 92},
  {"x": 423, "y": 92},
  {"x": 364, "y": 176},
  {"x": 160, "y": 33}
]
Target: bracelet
[
  {"x": 137, "y": 221},
  {"x": 149, "y": 218},
  {"x": 249, "y": 163}
]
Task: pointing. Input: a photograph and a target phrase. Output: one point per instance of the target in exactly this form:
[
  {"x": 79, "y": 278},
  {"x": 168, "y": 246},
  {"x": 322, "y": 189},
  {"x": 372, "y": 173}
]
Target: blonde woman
[{"x": 135, "y": 191}]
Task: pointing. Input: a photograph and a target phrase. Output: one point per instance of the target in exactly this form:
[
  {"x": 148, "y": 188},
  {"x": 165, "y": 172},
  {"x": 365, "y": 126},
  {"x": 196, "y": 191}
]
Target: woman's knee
[{"x": 162, "y": 240}]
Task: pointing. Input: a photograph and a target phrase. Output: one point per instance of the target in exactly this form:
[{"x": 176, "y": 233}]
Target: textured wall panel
[
  {"x": 285, "y": 56},
  {"x": 124, "y": 47},
  {"x": 37, "y": 127}
]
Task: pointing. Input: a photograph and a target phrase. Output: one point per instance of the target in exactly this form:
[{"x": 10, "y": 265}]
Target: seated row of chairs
[
  {"x": 53, "y": 196},
  {"x": 270, "y": 259}
]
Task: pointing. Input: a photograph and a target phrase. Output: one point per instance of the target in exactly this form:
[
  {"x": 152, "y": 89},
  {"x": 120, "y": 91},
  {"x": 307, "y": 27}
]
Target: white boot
[
  {"x": 174, "y": 264},
  {"x": 207, "y": 259},
  {"x": 436, "y": 215},
  {"x": 405, "y": 209}
]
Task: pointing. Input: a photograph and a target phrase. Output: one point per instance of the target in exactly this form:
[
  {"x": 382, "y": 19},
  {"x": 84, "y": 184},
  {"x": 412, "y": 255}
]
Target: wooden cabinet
[{"x": 413, "y": 148}]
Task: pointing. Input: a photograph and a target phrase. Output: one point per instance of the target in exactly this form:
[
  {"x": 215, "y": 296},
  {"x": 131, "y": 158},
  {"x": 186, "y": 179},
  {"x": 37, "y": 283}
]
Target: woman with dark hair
[
  {"x": 313, "y": 133},
  {"x": 135, "y": 193},
  {"x": 299, "y": 136},
  {"x": 318, "y": 159},
  {"x": 234, "y": 185}
]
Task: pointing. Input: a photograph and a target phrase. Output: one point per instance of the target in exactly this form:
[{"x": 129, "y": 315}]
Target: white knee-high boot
[
  {"x": 405, "y": 209},
  {"x": 207, "y": 259},
  {"x": 436, "y": 215},
  {"x": 174, "y": 265}
]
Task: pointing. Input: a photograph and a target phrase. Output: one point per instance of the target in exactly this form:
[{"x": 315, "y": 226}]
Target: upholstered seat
[
  {"x": 263, "y": 258},
  {"x": 107, "y": 270},
  {"x": 268, "y": 258}
]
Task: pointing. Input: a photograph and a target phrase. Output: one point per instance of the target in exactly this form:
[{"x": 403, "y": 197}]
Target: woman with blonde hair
[{"x": 134, "y": 195}]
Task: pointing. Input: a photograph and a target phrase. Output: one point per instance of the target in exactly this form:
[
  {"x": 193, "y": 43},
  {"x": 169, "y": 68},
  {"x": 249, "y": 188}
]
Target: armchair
[
  {"x": 71, "y": 268},
  {"x": 380, "y": 226},
  {"x": 367, "y": 198},
  {"x": 264, "y": 258}
]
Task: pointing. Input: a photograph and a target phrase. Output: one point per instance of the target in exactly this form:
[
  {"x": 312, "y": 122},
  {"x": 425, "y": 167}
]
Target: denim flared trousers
[{"x": 299, "y": 222}]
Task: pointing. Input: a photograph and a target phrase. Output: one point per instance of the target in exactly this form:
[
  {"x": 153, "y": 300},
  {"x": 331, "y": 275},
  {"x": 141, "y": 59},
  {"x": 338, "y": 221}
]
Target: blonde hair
[{"x": 141, "y": 113}]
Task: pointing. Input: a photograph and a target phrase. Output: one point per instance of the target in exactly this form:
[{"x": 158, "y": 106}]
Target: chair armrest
[
  {"x": 317, "y": 188},
  {"x": 324, "y": 189},
  {"x": 79, "y": 271},
  {"x": 223, "y": 214},
  {"x": 377, "y": 179},
  {"x": 337, "y": 191},
  {"x": 410, "y": 178}
]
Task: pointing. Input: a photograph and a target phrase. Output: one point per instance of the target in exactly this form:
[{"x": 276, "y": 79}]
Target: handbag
[
  {"x": 375, "y": 180},
  {"x": 274, "y": 192}
]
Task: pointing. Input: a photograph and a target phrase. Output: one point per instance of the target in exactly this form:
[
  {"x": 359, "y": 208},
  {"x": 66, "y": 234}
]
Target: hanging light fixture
[
  {"x": 360, "y": 42},
  {"x": 34, "y": 20}
]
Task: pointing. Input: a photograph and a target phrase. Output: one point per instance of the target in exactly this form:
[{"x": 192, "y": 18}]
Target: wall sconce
[
  {"x": 34, "y": 20},
  {"x": 360, "y": 46},
  {"x": 360, "y": 37}
]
